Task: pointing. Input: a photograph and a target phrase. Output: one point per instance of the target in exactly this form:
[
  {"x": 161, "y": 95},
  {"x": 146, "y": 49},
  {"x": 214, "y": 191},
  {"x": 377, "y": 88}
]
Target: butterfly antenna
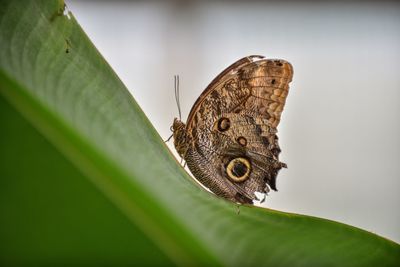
[{"x": 178, "y": 103}]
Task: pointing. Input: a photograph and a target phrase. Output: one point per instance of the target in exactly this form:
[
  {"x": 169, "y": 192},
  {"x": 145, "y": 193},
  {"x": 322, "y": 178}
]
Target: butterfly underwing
[{"x": 230, "y": 141}]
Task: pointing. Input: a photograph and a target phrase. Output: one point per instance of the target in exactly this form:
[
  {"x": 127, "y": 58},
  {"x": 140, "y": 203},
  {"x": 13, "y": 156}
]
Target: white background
[{"x": 340, "y": 130}]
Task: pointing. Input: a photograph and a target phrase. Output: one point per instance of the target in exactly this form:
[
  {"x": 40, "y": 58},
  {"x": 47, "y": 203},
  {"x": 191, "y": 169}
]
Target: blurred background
[{"x": 340, "y": 130}]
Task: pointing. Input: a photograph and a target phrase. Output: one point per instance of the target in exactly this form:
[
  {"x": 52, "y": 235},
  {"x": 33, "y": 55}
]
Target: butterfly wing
[
  {"x": 231, "y": 129},
  {"x": 252, "y": 84}
]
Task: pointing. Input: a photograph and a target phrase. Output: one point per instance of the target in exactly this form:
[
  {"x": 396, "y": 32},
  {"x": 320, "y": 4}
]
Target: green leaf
[{"x": 86, "y": 179}]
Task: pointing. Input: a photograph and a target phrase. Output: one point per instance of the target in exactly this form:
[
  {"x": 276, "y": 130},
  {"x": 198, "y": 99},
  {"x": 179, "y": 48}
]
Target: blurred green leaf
[{"x": 86, "y": 180}]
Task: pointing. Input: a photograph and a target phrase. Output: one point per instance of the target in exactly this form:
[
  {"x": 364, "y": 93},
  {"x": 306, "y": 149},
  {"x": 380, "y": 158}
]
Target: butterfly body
[{"x": 229, "y": 141}]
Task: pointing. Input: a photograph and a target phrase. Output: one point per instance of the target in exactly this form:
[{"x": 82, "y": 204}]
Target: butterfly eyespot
[
  {"x": 238, "y": 169},
  {"x": 223, "y": 124},
  {"x": 242, "y": 141}
]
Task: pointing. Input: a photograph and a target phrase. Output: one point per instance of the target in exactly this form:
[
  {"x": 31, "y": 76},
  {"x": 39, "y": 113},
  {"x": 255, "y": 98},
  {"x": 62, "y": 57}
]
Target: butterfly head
[{"x": 179, "y": 133}]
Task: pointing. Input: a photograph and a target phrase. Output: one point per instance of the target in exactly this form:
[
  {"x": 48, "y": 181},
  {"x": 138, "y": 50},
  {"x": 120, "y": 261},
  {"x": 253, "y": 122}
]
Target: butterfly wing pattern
[{"x": 230, "y": 141}]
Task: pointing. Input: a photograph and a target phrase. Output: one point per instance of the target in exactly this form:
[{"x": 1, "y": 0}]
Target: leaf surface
[{"x": 94, "y": 146}]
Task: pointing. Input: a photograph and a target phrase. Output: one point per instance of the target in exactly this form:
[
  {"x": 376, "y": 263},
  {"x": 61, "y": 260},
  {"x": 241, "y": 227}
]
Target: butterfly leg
[
  {"x": 169, "y": 138},
  {"x": 183, "y": 162},
  {"x": 238, "y": 209}
]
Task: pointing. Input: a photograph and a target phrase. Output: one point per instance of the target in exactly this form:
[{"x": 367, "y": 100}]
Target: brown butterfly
[{"x": 229, "y": 141}]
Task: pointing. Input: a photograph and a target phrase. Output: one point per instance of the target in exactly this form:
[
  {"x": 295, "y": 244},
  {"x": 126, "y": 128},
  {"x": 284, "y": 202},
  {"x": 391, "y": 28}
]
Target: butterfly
[{"x": 230, "y": 141}]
